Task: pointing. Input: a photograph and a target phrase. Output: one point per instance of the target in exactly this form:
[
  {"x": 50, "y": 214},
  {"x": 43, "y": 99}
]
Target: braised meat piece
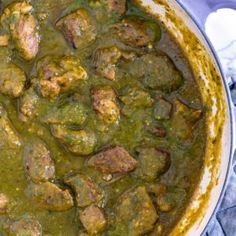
[
  {"x": 156, "y": 72},
  {"x": 135, "y": 212},
  {"x": 28, "y": 103},
  {"x": 38, "y": 163},
  {"x": 86, "y": 191},
  {"x": 93, "y": 219},
  {"x": 104, "y": 102},
  {"x": 113, "y": 160},
  {"x": 135, "y": 98},
  {"x": 23, "y": 227},
  {"x": 50, "y": 197},
  {"x": 80, "y": 142},
  {"x": 136, "y": 32},
  {"x": 105, "y": 61},
  {"x": 12, "y": 80},
  {"x": 67, "y": 114},
  {"x": 116, "y": 6},
  {"x": 17, "y": 19},
  {"x": 78, "y": 27},
  {"x": 152, "y": 163},
  {"x": 58, "y": 75},
  {"x": 183, "y": 121},
  {"x": 162, "y": 110}
]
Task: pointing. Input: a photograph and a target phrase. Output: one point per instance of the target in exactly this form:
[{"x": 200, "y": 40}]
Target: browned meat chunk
[
  {"x": 28, "y": 104},
  {"x": 23, "y": 227},
  {"x": 86, "y": 191},
  {"x": 50, "y": 197},
  {"x": 93, "y": 219},
  {"x": 67, "y": 114},
  {"x": 105, "y": 60},
  {"x": 4, "y": 203},
  {"x": 135, "y": 98},
  {"x": 152, "y": 163},
  {"x": 12, "y": 79},
  {"x": 23, "y": 30},
  {"x": 113, "y": 160},
  {"x": 156, "y": 72},
  {"x": 183, "y": 121},
  {"x": 38, "y": 163},
  {"x": 79, "y": 142},
  {"x": 135, "y": 212},
  {"x": 9, "y": 136},
  {"x": 58, "y": 75},
  {"x": 78, "y": 27},
  {"x": 116, "y": 6},
  {"x": 136, "y": 32},
  {"x": 104, "y": 102},
  {"x": 162, "y": 110}
]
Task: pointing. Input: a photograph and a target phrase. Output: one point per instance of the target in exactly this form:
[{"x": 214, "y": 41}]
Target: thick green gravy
[{"x": 164, "y": 119}]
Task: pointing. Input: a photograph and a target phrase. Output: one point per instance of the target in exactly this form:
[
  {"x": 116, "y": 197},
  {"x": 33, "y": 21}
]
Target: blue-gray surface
[{"x": 223, "y": 222}]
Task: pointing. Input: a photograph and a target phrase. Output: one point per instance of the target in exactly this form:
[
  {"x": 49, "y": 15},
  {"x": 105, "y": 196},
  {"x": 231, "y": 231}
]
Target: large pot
[{"x": 216, "y": 96}]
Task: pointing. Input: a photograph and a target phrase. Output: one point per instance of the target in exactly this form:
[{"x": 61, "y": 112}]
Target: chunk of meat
[
  {"x": 68, "y": 114},
  {"x": 23, "y": 28},
  {"x": 116, "y": 6},
  {"x": 58, "y": 75},
  {"x": 86, "y": 191},
  {"x": 23, "y": 227},
  {"x": 152, "y": 163},
  {"x": 4, "y": 203},
  {"x": 78, "y": 27},
  {"x": 135, "y": 212},
  {"x": 28, "y": 104},
  {"x": 183, "y": 121},
  {"x": 93, "y": 219},
  {"x": 80, "y": 142},
  {"x": 12, "y": 79},
  {"x": 156, "y": 72},
  {"x": 104, "y": 102},
  {"x": 135, "y": 98},
  {"x": 162, "y": 110},
  {"x": 38, "y": 163},
  {"x": 105, "y": 61},
  {"x": 136, "y": 32},
  {"x": 113, "y": 160},
  {"x": 9, "y": 136},
  {"x": 50, "y": 197}
]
